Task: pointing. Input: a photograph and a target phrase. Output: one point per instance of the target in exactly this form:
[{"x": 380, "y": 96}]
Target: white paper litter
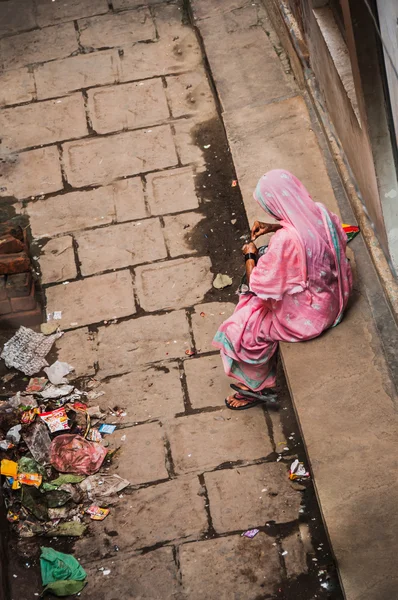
[
  {"x": 54, "y": 316},
  {"x": 56, "y": 373},
  {"x": 53, "y": 391},
  {"x": 26, "y": 350},
  {"x": 75, "y": 395},
  {"x": 103, "y": 485},
  {"x": 298, "y": 471}
]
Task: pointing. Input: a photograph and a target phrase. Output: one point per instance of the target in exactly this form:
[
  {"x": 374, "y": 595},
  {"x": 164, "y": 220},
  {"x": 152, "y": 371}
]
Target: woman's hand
[
  {"x": 249, "y": 248},
  {"x": 260, "y": 228}
]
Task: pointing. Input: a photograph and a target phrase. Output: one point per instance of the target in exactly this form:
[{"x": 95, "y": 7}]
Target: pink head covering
[{"x": 321, "y": 241}]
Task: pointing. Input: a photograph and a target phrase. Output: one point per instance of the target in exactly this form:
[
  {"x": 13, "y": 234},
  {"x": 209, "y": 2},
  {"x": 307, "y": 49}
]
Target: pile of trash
[{"x": 52, "y": 448}]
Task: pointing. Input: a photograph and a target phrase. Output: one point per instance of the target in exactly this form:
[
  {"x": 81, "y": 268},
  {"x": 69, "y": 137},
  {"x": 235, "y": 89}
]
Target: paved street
[{"x": 113, "y": 146}]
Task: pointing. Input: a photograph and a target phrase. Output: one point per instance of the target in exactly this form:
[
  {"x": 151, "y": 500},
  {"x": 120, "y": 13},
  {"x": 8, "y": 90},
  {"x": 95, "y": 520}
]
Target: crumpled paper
[
  {"x": 222, "y": 281},
  {"x": 26, "y": 350}
]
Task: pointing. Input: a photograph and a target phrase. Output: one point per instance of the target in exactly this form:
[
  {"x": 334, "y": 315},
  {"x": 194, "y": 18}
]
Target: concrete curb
[{"x": 283, "y": 17}]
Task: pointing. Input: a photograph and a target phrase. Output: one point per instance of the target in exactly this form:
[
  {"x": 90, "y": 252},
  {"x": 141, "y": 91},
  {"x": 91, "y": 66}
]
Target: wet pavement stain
[{"x": 219, "y": 234}]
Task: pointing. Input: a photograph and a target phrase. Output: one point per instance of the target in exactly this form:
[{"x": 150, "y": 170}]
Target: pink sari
[{"x": 299, "y": 287}]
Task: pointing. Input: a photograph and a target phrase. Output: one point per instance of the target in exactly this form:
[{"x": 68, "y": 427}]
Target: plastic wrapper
[
  {"x": 30, "y": 479},
  {"x": 94, "y": 435},
  {"x": 9, "y": 468},
  {"x": 38, "y": 440},
  {"x": 106, "y": 428},
  {"x": 97, "y": 513},
  {"x": 56, "y": 420},
  {"x": 36, "y": 384},
  {"x": 251, "y": 533},
  {"x": 298, "y": 471}
]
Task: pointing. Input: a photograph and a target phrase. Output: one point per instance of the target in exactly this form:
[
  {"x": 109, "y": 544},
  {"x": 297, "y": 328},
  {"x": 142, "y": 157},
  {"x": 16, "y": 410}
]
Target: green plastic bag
[
  {"x": 29, "y": 465},
  {"x": 57, "y": 566},
  {"x": 64, "y": 588},
  {"x": 67, "y": 478}
]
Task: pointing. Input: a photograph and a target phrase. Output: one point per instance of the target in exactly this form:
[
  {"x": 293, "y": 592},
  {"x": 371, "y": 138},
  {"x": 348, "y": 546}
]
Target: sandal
[
  {"x": 262, "y": 396},
  {"x": 250, "y": 403}
]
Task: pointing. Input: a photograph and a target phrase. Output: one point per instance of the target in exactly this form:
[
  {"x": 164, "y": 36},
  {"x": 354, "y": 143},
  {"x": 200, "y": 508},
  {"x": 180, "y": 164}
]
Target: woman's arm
[
  {"x": 260, "y": 228},
  {"x": 250, "y": 253}
]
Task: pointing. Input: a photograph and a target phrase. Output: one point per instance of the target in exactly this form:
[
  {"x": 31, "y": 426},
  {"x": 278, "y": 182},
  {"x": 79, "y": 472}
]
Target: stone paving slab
[
  {"x": 27, "y": 126},
  {"x": 159, "y": 564},
  {"x": 248, "y": 497},
  {"x": 31, "y": 173},
  {"x": 51, "y": 13},
  {"x": 117, "y": 30},
  {"x": 57, "y": 262},
  {"x": 205, "y": 441},
  {"x": 206, "y": 381},
  {"x": 190, "y": 277},
  {"x": 16, "y": 86},
  {"x": 206, "y": 9},
  {"x": 177, "y": 184},
  {"x": 141, "y": 456},
  {"x": 163, "y": 57},
  {"x": 365, "y": 523},
  {"x": 103, "y": 159},
  {"x": 110, "y": 296},
  {"x": 149, "y": 339},
  {"x": 128, "y": 106},
  {"x": 17, "y": 15},
  {"x": 171, "y": 21},
  {"x": 187, "y": 150},
  {"x": 59, "y": 77},
  {"x": 148, "y": 394},
  {"x": 190, "y": 94},
  {"x": 230, "y": 567},
  {"x": 37, "y": 46},
  {"x": 288, "y": 129},
  {"x": 120, "y": 201},
  {"x": 78, "y": 348},
  {"x": 295, "y": 559},
  {"x": 240, "y": 48},
  {"x": 206, "y": 319},
  {"x": 168, "y": 511},
  {"x": 179, "y": 232},
  {"x": 120, "y": 246}
]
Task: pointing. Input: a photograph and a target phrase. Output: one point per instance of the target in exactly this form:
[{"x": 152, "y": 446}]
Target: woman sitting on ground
[{"x": 298, "y": 288}]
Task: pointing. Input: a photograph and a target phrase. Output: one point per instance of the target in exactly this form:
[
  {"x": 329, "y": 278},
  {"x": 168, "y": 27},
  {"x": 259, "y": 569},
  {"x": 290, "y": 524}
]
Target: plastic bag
[
  {"x": 61, "y": 573},
  {"x": 73, "y": 454},
  {"x": 56, "y": 373}
]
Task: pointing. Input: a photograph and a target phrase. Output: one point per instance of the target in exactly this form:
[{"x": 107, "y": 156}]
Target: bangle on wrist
[{"x": 250, "y": 256}]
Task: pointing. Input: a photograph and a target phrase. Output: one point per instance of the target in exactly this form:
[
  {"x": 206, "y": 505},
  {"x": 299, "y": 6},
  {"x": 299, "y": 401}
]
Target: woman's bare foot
[{"x": 235, "y": 402}]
